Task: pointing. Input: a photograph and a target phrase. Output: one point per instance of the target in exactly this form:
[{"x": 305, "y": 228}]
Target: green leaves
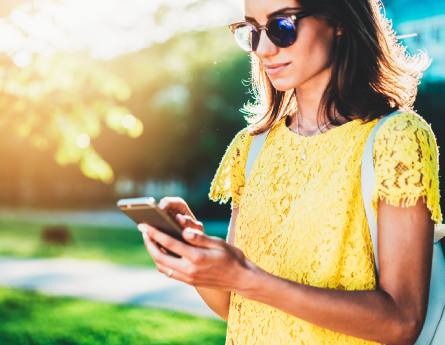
[
  {"x": 180, "y": 100},
  {"x": 63, "y": 101}
]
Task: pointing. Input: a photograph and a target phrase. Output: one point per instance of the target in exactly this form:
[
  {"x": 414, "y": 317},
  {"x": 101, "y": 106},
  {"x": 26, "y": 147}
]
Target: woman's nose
[{"x": 265, "y": 46}]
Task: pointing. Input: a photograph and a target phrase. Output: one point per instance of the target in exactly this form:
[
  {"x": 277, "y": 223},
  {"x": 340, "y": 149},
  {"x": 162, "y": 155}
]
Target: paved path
[{"x": 102, "y": 282}]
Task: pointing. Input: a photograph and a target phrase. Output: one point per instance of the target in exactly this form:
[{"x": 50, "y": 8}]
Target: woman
[{"x": 298, "y": 267}]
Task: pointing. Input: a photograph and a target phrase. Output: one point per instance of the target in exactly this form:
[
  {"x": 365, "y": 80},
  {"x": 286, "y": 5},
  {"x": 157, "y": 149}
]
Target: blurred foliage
[
  {"x": 186, "y": 94},
  {"x": 62, "y": 100},
  {"x": 55, "y": 99},
  {"x": 31, "y": 318}
]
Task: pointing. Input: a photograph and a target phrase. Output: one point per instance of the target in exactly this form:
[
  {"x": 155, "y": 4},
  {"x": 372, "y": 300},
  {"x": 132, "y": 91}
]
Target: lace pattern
[{"x": 406, "y": 164}]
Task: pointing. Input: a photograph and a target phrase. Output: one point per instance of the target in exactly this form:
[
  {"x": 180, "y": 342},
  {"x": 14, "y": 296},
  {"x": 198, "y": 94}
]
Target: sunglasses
[{"x": 281, "y": 30}]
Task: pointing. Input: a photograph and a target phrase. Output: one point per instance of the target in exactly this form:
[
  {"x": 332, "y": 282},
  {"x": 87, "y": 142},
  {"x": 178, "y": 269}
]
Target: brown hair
[{"x": 372, "y": 74}]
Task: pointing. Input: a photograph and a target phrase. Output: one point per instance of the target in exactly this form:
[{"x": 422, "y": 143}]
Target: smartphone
[{"x": 146, "y": 210}]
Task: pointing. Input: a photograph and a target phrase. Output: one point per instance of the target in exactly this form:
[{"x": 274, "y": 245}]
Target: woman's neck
[{"x": 309, "y": 98}]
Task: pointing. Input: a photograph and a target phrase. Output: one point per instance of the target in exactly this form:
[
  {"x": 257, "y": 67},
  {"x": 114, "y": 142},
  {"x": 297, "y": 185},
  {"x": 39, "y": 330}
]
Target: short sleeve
[
  {"x": 229, "y": 180},
  {"x": 406, "y": 164}
]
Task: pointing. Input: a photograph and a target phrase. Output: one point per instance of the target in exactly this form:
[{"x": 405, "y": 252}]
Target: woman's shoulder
[
  {"x": 406, "y": 163},
  {"x": 239, "y": 146},
  {"x": 405, "y": 123},
  {"x": 406, "y": 132},
  {"x": 229, "y": 178},
  {"x": 242, "y": 138}
]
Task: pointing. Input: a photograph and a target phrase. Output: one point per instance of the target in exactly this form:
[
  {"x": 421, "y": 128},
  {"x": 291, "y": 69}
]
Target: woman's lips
[{"x": 277, "y": 68}]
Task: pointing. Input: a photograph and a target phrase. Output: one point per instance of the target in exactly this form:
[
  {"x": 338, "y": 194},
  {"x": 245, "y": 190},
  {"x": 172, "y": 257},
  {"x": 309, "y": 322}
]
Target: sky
[{"x": 106, "y": 28}]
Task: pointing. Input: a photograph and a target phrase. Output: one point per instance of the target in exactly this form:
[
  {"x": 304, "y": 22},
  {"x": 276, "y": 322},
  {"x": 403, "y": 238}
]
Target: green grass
[
  {"x": 28, "y": 318},
  {"x": 122, "y": 246}
]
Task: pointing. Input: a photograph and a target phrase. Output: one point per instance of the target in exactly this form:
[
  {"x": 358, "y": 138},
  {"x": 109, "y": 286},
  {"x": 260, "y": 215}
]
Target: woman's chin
[{"x": 282, "y": 85}]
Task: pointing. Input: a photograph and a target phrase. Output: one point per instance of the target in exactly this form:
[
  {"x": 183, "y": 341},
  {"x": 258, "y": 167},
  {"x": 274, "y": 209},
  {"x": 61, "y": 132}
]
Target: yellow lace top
[{"x": 305, "y": 220}]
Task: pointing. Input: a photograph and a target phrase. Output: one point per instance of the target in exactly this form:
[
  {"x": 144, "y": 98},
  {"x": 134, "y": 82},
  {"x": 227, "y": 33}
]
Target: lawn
[
  {"x": 30, "y": 318},
  {"x": 118, "y": 245},
  {"x": 122, "y": 246}
]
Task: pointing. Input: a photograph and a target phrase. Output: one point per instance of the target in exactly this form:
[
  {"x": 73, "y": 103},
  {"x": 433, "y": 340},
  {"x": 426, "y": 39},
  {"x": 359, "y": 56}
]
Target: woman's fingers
[
  {"x": 159, "y": 256},
  {"x": 166, "y": 241},
  {"x": 183, "y": 271},
  {"x": 189, "y": 222},
  {"x": 208, "y": 263},
  {"x": 175, "y": 205},
  {"x": 200, "y": 240},
  {"x": 178, "y": 275}
]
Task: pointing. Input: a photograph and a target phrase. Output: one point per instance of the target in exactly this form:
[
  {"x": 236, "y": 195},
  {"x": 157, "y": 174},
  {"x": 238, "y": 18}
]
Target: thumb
[{"x": 198, "y": 239}]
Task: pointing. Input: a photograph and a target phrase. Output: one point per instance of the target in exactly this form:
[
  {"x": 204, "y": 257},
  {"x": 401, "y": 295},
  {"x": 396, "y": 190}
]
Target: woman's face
[{"x": 306, "y": 63}]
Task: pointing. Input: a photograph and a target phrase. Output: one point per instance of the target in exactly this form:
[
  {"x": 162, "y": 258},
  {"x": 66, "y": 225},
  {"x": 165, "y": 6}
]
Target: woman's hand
[{"x": 208, "y": 262}]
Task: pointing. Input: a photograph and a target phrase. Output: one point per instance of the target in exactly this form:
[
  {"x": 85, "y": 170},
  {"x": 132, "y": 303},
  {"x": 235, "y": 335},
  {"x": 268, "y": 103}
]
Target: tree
[
  {"x": 60, "y": 98},
  {"x": 61, "y": 102}
]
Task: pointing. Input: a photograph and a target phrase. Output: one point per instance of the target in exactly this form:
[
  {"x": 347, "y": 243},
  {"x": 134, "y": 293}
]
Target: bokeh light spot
[
  {"x": 136, "y": 130},
  {"x": 128, "y": 121},
  {"x": 83, "y": 140},
  {"x": 23, "y": 58}
]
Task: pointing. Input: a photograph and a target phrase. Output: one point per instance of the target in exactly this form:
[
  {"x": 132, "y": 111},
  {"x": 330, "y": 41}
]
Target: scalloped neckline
[{"x": 344, "y": 126}]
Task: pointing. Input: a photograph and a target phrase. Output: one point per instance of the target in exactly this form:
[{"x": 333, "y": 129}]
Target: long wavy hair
[{"x": 372, "y": 74}]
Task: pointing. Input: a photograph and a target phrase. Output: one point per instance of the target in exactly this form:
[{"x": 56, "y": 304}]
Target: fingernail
[
  {"x": 180, "y": 217},
  {"x": 189, "y": 233},
  {"x": 142, "y": 227},
  {"x": 145, "y": 236},
  {"x": 162, "y": 203}
]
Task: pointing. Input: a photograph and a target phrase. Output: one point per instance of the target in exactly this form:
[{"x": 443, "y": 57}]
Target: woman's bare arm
[
  {"x": 395, "y": 312},
  {"x": 219, "y": 300},
  {"x": 231, "y": 234}
]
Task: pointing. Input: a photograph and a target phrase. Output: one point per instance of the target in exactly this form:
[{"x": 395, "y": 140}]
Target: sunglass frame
[{"x": 294, "y": 18}]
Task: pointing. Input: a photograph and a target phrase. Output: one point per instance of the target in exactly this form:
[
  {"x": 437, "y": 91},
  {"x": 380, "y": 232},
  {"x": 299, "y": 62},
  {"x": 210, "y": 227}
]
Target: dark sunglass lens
[
  {"x": 282, "y": 32},
  {"x": 246, "y": 37}
]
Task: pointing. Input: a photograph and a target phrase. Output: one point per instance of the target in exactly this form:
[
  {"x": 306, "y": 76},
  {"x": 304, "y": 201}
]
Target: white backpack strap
[
  {"x": 368, "y": 182},
  {"x": 254, "y": 151}
]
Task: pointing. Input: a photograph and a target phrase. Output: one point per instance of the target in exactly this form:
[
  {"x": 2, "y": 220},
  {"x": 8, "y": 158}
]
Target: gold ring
[{"x": 170, "y": 272}]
